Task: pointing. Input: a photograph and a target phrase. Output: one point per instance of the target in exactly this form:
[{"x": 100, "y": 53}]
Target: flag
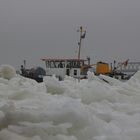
[{"x": 126, "y": 62}]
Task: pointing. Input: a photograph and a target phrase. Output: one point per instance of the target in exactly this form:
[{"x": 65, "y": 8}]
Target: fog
[{"x": 32, "y": 29}]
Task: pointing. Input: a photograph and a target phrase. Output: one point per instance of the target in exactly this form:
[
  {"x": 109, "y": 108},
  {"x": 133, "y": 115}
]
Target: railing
[{"x": 131, "y": 67}]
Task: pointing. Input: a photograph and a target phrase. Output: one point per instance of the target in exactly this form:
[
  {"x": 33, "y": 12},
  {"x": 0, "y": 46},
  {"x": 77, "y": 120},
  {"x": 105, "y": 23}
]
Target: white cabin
[{"x": 62, "y": 67}]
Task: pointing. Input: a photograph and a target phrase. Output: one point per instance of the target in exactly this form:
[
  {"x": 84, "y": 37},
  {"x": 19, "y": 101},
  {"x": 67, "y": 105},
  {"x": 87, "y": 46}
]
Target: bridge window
[{"x": 55, "y": 64}]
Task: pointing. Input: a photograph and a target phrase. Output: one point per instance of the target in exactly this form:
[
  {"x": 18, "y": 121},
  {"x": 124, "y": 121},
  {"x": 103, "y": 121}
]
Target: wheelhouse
[{"x": 62, "y": 67}]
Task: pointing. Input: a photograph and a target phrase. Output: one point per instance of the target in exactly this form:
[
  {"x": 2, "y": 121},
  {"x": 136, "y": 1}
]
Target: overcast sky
[{"x": 32, "y": 29}]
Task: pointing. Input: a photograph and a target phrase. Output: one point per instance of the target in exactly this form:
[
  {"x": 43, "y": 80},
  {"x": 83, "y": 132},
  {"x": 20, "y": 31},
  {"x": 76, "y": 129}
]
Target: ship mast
[{"x": 82, "y": 36}]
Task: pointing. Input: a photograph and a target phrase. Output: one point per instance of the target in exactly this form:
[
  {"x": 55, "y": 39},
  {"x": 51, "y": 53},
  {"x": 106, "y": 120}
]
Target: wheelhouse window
[
  {"x": 66, "y": 63},
  {"x": 55, "y": 64}
]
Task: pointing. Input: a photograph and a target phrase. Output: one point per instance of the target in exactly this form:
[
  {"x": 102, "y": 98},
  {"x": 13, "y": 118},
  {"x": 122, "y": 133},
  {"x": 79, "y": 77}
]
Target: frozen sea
[{"x": 68, "y": 110}]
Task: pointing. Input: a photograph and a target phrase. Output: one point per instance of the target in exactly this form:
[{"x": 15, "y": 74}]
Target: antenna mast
[{"x": 82, "y": 36}]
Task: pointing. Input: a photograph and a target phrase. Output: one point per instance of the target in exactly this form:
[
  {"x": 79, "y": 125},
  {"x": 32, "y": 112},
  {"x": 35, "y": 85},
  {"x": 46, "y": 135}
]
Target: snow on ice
[{"x": 68, "y": 110}]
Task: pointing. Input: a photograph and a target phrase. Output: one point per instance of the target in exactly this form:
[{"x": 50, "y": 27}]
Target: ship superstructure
[{"x": 66, "y": 66}]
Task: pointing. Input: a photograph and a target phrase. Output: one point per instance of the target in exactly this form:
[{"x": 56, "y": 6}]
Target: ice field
[{"x": 68, "y": 110}]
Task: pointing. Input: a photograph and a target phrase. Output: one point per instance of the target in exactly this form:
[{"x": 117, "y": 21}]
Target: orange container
[{"x": 102, "y": 68}]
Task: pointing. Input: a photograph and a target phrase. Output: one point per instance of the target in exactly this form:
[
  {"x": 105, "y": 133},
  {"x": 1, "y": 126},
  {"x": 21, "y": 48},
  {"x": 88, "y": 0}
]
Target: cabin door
[{"x": 68, "y": 72}]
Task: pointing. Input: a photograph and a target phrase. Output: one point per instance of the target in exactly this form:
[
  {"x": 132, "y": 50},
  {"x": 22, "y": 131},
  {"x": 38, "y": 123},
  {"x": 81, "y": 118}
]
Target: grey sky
[{"x": 32, "y": 29}]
